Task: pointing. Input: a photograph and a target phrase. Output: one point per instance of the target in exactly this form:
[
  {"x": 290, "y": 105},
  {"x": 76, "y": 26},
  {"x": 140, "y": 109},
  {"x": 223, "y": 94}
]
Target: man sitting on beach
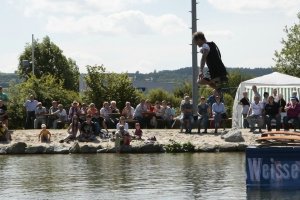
[
  {"x": 40, "y": 112},
  {"x": 87, "y": 130}
]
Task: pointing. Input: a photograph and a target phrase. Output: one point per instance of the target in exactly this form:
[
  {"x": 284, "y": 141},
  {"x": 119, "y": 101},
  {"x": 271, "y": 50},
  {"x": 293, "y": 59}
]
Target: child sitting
[
  {"x": 117, "y": 142},
  {"x": 43, "y": 136},
  {"x": 138, "y": 131}
]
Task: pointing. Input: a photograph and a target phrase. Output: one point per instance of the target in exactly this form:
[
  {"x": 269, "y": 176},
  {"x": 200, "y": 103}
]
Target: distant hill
[
  {"x": 178, "y": 75},
  {"x": 182, "y": 74},
  {"x": 5, "y": 78}
]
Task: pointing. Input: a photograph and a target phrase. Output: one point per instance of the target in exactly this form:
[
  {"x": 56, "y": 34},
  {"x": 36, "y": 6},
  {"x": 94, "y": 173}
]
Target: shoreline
[{"x": 26, "y": 142}]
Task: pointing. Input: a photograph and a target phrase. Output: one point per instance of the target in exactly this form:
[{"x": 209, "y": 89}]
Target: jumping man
[{"x": 212, "y": 57}]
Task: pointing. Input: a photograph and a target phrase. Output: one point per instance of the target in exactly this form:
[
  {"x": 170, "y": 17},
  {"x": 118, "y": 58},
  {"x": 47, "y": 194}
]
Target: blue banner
[{"x": 273, "y": 168}]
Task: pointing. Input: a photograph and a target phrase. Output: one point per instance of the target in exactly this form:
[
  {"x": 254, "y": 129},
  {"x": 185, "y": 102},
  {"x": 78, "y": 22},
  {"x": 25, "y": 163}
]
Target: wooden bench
[
  {"x": 131, "y": 123},
  {"x": 222, "y": 121}
]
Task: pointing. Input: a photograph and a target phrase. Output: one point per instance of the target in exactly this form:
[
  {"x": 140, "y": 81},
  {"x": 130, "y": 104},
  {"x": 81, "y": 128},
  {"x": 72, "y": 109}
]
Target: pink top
[
  {"x": 293, "y": 112},
  {"x": 138, "y": 132}
]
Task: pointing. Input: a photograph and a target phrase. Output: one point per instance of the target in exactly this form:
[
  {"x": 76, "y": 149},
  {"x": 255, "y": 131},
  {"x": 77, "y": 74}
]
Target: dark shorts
[
  {"x": 81, "y": 136},
  {"x": 222, "y": 78},
  {"x": 3, "y": 136},
  {"x": 4, "y": 118}
]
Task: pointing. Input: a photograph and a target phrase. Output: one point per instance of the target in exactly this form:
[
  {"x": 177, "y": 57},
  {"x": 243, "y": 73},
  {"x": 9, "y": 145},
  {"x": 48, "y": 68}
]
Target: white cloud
[
  {"x": 130, "y": 22},
  {"x": 77, "y": 7},
  {"x": 290, "y": 7},
  {"x": 222, "y": 33}
]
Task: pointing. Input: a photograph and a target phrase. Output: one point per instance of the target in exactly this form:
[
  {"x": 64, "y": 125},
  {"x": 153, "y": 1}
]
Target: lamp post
[
  {"x": 26, "y": 63},
  {"x": 32, "y": 54}
]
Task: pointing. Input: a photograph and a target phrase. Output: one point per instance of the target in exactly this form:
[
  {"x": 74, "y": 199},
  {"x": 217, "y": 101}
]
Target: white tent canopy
[{"x": 284, "y": 84}]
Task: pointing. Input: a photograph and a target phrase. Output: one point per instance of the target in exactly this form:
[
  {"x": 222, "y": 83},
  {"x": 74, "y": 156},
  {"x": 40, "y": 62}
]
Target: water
[{"x": 129, "y": 176}]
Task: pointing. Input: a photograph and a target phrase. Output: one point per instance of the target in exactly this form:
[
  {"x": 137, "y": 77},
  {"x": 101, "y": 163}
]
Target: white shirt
[
  {"x": 257, "y": 108},
  {"x": 125, "y": 126},
  {"x": 276, "y": 98},
  {"x": 204, "y": 46},
  {"x": 61, "y": 114}
]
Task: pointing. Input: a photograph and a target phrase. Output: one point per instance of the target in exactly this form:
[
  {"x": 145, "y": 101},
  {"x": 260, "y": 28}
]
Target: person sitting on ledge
[
  {"x": 74, "y": 127},
  {"x": 272, "y": 111},
  {"x": 87, "y": 130},
  {"x": 138, "y": 133},
  {"x": 203, "y": 114},
  {"x": 292, "y": 112},
  {"x": 124, "y": 135},
  {"x": 255, "y": 112},
  {"x": 219, "y": 112},
  {"x": 44, "y": 135},
  {"x": 4, "y": 135},
  {"x": 187, "y": 113},
  {"x": 122, "y": 122}
]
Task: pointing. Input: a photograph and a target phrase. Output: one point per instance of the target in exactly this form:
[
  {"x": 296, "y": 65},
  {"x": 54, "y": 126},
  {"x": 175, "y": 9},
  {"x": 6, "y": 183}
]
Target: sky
[{"x": 146, "y": 35}]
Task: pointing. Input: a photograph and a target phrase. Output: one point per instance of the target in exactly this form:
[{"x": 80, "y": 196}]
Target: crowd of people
[{"x": 271, "y": 107}]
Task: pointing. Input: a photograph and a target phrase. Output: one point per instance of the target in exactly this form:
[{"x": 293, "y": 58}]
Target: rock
[
  {"x": 2, "y": 150},
  {"x": 241, "y": 147},
  {"x": 151, "y": 148},
  {"x": 206, "y": 148},
  {"x": 87, "y": 149},
  {"x": 102, "y": 151},
  {"x": 227, "y": 147},
  {"x": 162, "y": 149},
  {"x": 16, "y": 148},
  {"x": 57, "y": 150},
  {"x": 126, "y": 149},
  {"x": 234, "y": 136},
  {"x": 36, "y": 149},
  {"x": 224, "y": 133},
  {"x": 75, "y": 148}
]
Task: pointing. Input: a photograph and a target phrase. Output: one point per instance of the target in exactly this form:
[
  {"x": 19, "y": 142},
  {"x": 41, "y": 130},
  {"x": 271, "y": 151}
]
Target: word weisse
[{"x": 272, "y": 169}]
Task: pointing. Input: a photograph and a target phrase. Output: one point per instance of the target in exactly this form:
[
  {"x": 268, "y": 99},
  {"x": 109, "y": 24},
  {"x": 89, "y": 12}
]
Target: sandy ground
[{"x": 163, "y": 136}]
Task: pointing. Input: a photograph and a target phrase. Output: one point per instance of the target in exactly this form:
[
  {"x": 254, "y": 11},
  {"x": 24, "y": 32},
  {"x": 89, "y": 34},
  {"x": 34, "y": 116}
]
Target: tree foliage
[
  {"x": 49, "y": 58},
  {"x": 180, "y": 89},
  {"x": 45, "y": 89},
  {"x": 160, "y": 94},
  {"x": 288, "y": 59},
  {"x": 104, "y": 86}
]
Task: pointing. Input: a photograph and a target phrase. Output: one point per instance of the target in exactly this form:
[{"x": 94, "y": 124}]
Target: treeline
[
  {"x": 185, "y": 74},
  {"x": 5, "y": 78}
]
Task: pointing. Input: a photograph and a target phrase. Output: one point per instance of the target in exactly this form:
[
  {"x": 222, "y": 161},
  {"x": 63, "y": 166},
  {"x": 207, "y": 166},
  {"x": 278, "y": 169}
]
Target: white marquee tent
[{"x": 284, "y": 84}]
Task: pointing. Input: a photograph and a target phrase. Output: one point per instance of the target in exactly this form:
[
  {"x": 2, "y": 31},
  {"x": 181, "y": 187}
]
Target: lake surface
[{"x": 129, "y": 176}]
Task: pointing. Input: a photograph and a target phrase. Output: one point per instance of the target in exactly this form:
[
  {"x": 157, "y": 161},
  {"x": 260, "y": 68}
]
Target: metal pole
[
  {"x": 32, "y": 55},
  {"x": 194, "y": 59}
]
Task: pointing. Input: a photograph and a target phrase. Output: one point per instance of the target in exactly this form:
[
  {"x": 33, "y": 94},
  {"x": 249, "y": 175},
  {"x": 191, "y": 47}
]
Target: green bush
[{"x": 46, "y": 89}]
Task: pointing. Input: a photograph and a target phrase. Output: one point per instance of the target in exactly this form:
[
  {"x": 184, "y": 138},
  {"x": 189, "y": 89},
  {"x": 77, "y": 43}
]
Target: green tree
[
  {"x": 288, "y": 59},
  {"x": 104, "y": 86},
  {"x": 49, "y": 58},
  {"x": 182, "y": 88},
  {"x": 234, "y": 80},
  {"x": 45, "y": 89},
  {"x": 160, "y": 94}
]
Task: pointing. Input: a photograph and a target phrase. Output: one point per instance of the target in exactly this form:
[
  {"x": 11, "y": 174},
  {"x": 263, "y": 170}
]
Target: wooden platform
[
  {"x": 279, "y": 139},
  {"x": 266, "y": 134}
]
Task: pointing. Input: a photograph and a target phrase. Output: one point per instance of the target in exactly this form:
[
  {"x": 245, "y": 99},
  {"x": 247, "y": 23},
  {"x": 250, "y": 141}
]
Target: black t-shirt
[
  {"x": 245, "y": 101},
  {"x": 88, "y": 128},
  {"x": 282, "y": 104},
  {"x": 272, "y": 109},
  {"x": 3, "y": 108}
]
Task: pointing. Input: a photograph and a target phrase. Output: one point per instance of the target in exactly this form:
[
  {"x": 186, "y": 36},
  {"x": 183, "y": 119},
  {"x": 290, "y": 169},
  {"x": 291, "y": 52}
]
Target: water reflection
[{"x": 128, "y": 176}]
